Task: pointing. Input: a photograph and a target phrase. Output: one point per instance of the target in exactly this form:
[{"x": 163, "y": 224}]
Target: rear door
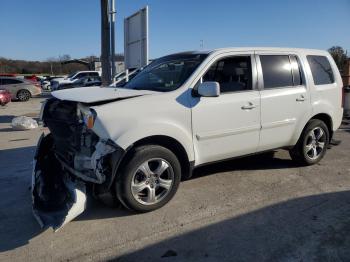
[{"x": 285, "y": 101}]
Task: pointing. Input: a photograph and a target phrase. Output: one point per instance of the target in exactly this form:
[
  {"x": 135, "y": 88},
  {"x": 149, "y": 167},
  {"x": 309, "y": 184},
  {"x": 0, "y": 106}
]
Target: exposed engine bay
[{"x": 68, "y": 159}]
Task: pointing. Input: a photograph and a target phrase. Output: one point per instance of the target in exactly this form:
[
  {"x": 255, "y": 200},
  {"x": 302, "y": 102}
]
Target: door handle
[
  {"x": 300, "y": 99},
  {"x": 249, "y": 106}
]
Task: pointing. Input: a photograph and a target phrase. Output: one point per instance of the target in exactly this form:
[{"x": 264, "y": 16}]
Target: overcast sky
[{"x": 36, "y": 29}]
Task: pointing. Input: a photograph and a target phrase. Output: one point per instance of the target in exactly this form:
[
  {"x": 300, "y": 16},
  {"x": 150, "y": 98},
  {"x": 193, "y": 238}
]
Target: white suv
[{"x": 182, "y": 111}]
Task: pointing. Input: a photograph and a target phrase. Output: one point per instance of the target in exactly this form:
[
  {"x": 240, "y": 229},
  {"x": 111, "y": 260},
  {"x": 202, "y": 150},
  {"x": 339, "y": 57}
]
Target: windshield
[
  {"x": 167, "y": 73},
  {"x": 71, "y": 75}
]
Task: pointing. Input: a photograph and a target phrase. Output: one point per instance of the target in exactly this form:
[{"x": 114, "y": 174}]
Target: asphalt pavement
[{"x": 261, "y": 208}]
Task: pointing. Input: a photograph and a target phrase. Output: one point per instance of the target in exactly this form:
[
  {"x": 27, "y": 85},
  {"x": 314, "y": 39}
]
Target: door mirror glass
[{"x": 209, "y": 89}]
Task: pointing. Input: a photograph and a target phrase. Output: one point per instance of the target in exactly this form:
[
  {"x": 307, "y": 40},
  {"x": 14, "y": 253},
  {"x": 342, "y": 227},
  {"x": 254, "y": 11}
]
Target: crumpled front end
[
  {"x": 67, "y": 161},
  {"x": 57, "y": 197}
]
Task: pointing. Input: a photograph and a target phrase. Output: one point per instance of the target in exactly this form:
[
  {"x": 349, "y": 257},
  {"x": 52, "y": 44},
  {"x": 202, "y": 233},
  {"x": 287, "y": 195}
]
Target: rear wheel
[
  {"x": 150, "y": 179},
  {"x": 312, "y": 144},
  {"x": 23, "y": 95}
]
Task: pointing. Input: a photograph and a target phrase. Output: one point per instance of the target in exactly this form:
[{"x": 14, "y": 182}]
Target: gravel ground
[{"x": 259, "y": 208}]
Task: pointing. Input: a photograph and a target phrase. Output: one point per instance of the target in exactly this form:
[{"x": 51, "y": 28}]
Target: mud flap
[{"x": 57, "y": 198}]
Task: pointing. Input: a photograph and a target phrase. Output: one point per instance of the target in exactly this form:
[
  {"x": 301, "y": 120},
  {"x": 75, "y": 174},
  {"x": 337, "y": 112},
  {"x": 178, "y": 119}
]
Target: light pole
[
  {"x": 112, "y": 13},
  {"x": 105, "y": 44}
]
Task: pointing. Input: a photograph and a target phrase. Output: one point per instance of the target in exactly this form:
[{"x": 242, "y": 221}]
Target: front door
[{"x": 228, "y": 125}]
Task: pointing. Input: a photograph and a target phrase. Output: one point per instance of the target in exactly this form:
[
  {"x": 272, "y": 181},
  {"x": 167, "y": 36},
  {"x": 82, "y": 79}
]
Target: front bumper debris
[{"x": 57, "y": 197}]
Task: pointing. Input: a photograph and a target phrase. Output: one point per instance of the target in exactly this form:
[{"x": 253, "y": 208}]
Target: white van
[{"x": 184, "y": 110}]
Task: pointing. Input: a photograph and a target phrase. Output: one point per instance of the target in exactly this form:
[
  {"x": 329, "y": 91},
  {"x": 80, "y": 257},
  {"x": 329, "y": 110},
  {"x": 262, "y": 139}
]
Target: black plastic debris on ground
[{"x": 170, "y": 253}]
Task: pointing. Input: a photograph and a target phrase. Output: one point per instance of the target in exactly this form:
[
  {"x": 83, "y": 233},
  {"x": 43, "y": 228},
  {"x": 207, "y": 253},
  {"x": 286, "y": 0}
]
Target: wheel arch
[
  {"x": 162, "y": 140},
  {"x": 327, "y": 119}
]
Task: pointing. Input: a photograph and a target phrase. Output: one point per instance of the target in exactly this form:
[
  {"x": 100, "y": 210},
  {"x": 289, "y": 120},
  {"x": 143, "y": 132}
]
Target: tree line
[
  {"x": 51, "y": 66},
  {"x": 54, "y": 66}
]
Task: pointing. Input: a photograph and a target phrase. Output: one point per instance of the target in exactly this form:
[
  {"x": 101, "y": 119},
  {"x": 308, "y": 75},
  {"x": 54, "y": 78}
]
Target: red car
[
  {"x": 5, "y": 97},
  {"x": 8, "y": 75}
]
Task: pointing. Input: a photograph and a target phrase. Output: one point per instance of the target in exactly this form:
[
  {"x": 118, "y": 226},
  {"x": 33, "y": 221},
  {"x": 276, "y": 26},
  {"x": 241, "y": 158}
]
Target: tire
[
  {"x": 149, "y": 179},
  {"x": 310, "y": 149},
  {"x": 23, "y": 95}
]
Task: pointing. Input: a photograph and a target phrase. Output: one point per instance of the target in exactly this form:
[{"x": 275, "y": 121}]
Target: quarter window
[
  {"x": 93, "y": 74},
  {"x": 233, "y": 74},
  {"x": 321, "y": 70},
  {"x": 277, "y": 71}
]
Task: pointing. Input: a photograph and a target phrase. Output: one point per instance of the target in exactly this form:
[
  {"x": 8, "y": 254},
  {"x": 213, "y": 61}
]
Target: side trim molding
[
  {"x": 223, "y": 133},
  {"x": 285, "y": 122}
]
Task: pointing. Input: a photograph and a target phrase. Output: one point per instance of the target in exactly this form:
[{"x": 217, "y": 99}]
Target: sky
[{"x": 37, "y": 29}]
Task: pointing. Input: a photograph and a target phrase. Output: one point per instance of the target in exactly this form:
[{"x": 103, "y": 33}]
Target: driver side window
[{"x": 234, "y": 74}]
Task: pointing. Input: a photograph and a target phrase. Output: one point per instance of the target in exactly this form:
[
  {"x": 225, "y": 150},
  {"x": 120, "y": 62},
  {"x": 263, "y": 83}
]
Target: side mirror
[{"x": 209, "y": 89}]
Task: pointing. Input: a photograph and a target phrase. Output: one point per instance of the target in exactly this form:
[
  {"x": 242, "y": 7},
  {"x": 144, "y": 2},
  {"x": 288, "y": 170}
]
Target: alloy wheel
[
  {"x": 315, "y": 143},
  {"x": 152, "y": 181},
  {"x": 23, "y": 95}
]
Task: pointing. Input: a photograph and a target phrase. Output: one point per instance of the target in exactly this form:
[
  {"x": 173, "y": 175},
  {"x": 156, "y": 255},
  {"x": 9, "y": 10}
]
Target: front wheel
[
  {"x": 150, "y": 179},
  {"x": 312, "y": 144}
]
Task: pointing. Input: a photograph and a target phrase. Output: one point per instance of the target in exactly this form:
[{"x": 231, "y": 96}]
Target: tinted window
[
  {"x": 277, "y": 71},
  {"x": 7, "y": 81},
  {"x": 233, "y": 74},
  {"x": 296, "y": 70},
  {"x": 321, "y": 70},
  {"x": 81, "y": 75},
  {"x": 94, "y": 74}
]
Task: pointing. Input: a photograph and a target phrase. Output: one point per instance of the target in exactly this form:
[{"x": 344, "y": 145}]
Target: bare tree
[{"x": 339, "y": 55}]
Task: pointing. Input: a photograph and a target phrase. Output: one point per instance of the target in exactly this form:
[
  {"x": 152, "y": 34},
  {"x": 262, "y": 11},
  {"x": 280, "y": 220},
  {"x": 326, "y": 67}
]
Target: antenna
[{"x": 201, "y": 44}]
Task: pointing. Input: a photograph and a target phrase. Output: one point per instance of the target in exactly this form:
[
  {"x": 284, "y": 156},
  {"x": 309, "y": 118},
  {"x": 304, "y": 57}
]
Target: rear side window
[
  {"x": 81, "y": 75},
  {"x": 94, "y": 74},
  {"x": 321, "y": 70},
  {"x": 277, "y": 71},
  {"x": 10, "y": 81}
]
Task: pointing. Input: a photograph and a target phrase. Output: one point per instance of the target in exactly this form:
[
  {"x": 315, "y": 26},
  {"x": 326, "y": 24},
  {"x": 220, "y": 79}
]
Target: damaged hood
[{"x": 98, "y": 94}]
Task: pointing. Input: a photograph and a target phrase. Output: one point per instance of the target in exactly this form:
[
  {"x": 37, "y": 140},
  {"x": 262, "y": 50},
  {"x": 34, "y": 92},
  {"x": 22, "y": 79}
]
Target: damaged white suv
[{"x": 184, "y": 110}]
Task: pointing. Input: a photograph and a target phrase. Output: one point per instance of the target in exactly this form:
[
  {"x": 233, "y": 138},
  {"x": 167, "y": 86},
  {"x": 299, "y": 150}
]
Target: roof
[{"x": 233, "y": 49}]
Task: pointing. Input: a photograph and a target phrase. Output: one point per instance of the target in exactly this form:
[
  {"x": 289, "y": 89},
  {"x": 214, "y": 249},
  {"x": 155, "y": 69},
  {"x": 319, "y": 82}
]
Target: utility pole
[
  {"x": 112, "y": 13},
  {"x": 105, "y": 44}
]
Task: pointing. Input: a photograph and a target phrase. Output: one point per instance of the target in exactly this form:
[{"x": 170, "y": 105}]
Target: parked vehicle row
[
  {"x": 24, "y": 87},
  {"x": 20, "y": 89}
]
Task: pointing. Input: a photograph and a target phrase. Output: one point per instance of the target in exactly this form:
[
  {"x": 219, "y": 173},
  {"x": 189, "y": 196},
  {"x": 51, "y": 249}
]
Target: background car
[
  {"x": 8, "y": 75},
  {"x": 5, "y": 97},
  {"x": 84, "y": 82},
  {"x": 72, "y": 78},
  {"x": 20, "y": 89}
]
